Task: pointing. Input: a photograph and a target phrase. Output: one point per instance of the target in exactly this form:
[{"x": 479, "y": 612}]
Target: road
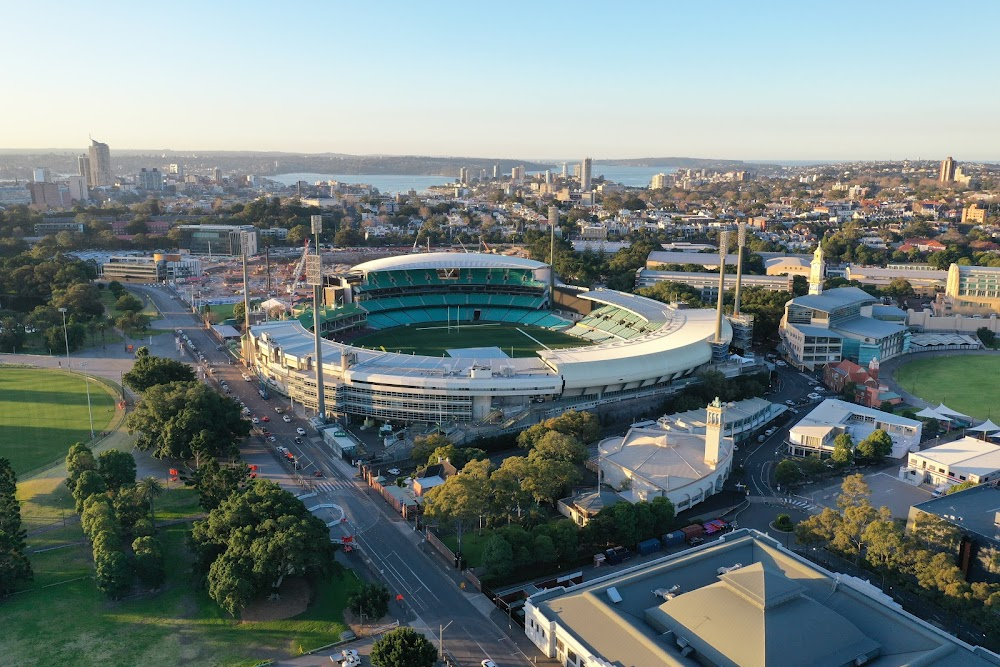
[{"x": 431, "y": 594}]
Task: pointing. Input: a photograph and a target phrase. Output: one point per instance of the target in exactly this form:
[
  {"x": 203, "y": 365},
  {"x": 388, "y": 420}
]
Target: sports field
[
  {"x": 43, "y": 412},
  {"x": 435, "y": 338},
  {"x": 966, "y": 383}
]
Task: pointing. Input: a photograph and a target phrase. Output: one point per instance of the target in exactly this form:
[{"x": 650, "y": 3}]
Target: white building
[
  {"x": 815, "y": 433},
  {"x": 683, "y": 466},
  {"x": 967, "y": 460}
]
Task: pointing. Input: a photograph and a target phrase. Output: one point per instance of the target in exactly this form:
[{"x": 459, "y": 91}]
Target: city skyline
[{"x": 789, "y": 82}]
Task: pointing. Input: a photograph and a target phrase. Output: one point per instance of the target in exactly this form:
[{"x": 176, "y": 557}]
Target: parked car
[
  {"x": 255, "y": 420},
  {"x": 265, "y": 418},
  {"x": 488, "y": 663},
  {"x": 393, "y": 471}
]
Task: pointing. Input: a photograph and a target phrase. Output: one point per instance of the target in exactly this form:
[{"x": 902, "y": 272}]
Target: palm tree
[{"x": 150, "y": 488}]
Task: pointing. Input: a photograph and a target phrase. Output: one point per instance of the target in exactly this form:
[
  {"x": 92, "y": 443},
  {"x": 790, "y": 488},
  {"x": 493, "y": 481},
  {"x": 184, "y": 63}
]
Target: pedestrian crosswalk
[
  {"x": 330, "y": 486},
  {"x": 803, "y": 505}
]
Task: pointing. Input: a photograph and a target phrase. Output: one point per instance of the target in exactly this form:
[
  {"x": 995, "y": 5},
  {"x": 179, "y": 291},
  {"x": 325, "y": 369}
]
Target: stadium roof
[
  {"x": 649, "y": 309},
  {"x": 448, "y": 260},
  {"x": 668, "y": 459}
]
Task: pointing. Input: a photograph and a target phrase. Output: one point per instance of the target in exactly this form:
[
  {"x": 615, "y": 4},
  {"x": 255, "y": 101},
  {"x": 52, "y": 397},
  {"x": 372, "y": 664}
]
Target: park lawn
[
  {"x": 962, "y": 382},
  {"x": 473, "y": 545},
  {"x": 43, "y": 412},
  {"x": 434, "y": 338},
  {"x": 72, "y": 622}
]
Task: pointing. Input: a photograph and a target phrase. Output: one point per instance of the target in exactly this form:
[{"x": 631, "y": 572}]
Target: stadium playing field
[
  {"x": 43, "y": 412},
  {"x": 435, "y": 338},
  {"x": 962, "y": 382}
]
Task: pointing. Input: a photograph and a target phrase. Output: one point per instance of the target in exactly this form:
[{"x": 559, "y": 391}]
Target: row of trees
[
  {"x": 921, "y": 561},
  {"x": 15, "y": 567},
  {"x": 117, "y": 516},
  {"x": 873, "y": 449}
]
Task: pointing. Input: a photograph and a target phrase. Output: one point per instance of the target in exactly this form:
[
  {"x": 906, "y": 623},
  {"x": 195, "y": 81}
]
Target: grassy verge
[
  {"x": 71, "y": 622},
  {"x": 957, "y": 381},
  {"x": 473, "y": 545}
]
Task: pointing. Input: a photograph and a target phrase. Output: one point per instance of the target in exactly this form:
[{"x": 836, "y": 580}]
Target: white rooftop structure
[
  {"x": 967, "y": 460},
  {"x": 458, "y": 260},
  {"x": 816, "y": 431}
]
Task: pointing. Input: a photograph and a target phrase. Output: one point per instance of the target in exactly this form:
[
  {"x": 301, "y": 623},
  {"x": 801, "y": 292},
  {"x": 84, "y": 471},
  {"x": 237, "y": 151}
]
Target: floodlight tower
[
  {"x": 723, "y": 246},
  {"x": 741, "y": 241},
  {"x": 314, "y": 276}
]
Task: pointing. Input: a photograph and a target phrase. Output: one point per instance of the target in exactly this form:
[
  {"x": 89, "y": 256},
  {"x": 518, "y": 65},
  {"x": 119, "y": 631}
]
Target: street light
[
  {"x": 65, "y": 335},
  {"x": 441, "y": 638}
]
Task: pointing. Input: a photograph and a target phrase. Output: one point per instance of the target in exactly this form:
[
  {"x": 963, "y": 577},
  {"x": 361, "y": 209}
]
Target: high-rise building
[
  {"x": 83, "y": 167},
  {"x": 564, "y": 170},
  {"x": 42, "y": 175},
  {"x": 150, "y": 180},
  {"x": 659, "y": 182},
  {"x": 496, "y": 171},
  {"x": 548, "y": 176},
  {"x": 176, "y": 169},
  {"x": 78, "y": 188},
  {"x": 947, "y": 174},
  {"x": 517, "y": 174},
  {"x": 586, "y": 168},
  {"x": 217, "y": 176},
  {"x": 463, "y": 175},
  {"x": 100, "y": 165},
  {"x": 45, "y": 195}
]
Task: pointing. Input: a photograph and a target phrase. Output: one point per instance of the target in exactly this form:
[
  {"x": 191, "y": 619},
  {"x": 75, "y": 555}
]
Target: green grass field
[
  {"x": 963, "y": 383},
  {"x": 71, "y": 622},
  {"x": 43, "y": 412},
  {"x": 434, "y": 338}
]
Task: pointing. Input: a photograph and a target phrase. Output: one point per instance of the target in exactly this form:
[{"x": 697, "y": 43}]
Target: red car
[{"x": 265, "y": 418}]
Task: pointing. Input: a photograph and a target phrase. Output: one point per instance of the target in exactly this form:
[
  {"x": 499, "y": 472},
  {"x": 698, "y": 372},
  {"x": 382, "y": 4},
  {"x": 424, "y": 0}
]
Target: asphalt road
[{"x": 431, "y": 594}]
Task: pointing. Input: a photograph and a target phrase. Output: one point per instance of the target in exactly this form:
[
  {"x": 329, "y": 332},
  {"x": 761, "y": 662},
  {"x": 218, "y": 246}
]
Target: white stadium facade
[{"x": 630, "y": 345}]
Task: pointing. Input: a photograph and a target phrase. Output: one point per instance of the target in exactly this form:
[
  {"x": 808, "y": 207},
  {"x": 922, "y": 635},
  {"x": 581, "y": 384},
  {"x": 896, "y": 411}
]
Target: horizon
[{"x": 748, "y": 83}]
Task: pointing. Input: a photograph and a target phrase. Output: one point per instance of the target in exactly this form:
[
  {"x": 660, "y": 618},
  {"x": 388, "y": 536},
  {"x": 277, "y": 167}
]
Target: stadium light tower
[
  {"x": 741, "y": 239},
  {"x": 314, "y": 276},
  {"x": 723, "y": 247}
]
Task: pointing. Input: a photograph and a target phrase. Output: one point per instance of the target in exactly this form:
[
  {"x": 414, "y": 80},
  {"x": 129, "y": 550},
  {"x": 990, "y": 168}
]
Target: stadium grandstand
[{"x": 481, "y": 342}]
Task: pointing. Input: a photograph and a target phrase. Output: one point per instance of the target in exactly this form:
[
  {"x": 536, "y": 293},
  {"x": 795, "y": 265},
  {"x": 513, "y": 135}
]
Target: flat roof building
[
  {"x": 232, "y": 240},
  {"x": 708, "y": 283},
  {"x": 970, "y": 290},
  {"x": 967, "y": 460},
  {"x": 741, "y": 600},
  {"x": 814, "y": 434}
]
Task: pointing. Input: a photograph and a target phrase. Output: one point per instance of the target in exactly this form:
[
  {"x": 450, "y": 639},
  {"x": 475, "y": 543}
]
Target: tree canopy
[
  {"x": 186, "y": 420},
  {"x": 403, "y": 647},
  {"x": 150, "y": 371},
  {"x": 250, "y": 542}
]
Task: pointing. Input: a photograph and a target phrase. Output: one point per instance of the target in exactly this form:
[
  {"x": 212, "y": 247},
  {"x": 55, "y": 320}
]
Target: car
[
  {"x": 277, "y": 409},
  {"x": 814, "y": 396},
  {"x": 300, "y": 431},
  {"x": 789, "y": 402},
  {"x": 318, "y": 473},
  {"x": 254, "y": 420},
  {"x": 298, "y": 441},
  {"x": 488, "y": 663},
  {"x": 393, "y": 471},
  {"x": 272, "y": 439},
  {"x": 265, "y": 418},
  {"x": 779, "y": 362},
  {"x": 264, "y": 431},
  {"x": 286, "y": 419}
]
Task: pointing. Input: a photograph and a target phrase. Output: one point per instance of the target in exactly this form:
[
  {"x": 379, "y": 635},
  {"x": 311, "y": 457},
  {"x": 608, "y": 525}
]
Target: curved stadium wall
[{"x": 637, "y": 345}]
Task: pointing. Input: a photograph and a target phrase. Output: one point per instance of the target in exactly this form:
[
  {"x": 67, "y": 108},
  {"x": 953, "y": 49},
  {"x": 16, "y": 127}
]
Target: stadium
[{"x": 480, "y": 340}]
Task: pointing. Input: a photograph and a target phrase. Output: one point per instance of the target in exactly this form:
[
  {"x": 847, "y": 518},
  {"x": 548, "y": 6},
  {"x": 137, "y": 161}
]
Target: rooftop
[
  {"x": 833, "y": 299},
  {"x": 969, "y": 454},
  {"x": 447, "y": 260},
  {"x": 771, "y": 607},
  {"x": 974, "y": 509},
  {"x": 870, "y": 327}
]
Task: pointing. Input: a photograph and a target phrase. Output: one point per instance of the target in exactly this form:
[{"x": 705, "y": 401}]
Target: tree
[
  {"x": 130, "y": 507},
  {"x": 216, "y": 482},
  {"x": 371, "y": 599},
  {"x": 78, "y": 459},
  {"x": 149, "y": 489},
  {"x": 88, "y": 484},
  {"x": 876, "y": 446},
  {"x": 149, "y": 561},
  {"x": 149, "y": 371},
  {"x": 117, "y": 468},
  {"x": 8, "y": 478},
  {"x": 886, "y": 406},
  {"x": 509, "y": 493},
  {"x": 962, "y": 486},
  {"x": 424, "y": 445},
  {"x": 457, "y": 456},
  {"x": 584, "y": 426},
  {"x": 560, "y": 447},
  {"x": 112, "y": 572},
  {"x": 82, "y": 300},
  {"x": 239, "y": 312},
  {"x": 498, "y": 556},
  {"x": 986, "y": 336},
  {"x": 253, "y": 540},
  {"x": 14, "y": 564},
  {"x": 128, "y": 303},
  {"x": 97, "y": 516},
  {"x": 843, "y": 449},
  {"x": 116, "y": 288},
  {"x": 548, "y": 478},
  {"x": 786, "y": 473},
  {"x": 462, "y": 499},
  {"x": 186, "y": 420},
  {"x": 403, "y": 647}
]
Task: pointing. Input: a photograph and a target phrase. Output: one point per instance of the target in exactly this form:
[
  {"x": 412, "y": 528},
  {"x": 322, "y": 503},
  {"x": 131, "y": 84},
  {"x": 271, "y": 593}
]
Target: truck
[
  {"x": 616, "y": 555},
  {"x": 647, "y": 547},
  {"x": 693, "y": 533}
]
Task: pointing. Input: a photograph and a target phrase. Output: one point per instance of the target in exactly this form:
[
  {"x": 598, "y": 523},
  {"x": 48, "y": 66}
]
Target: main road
[{"x": 431, "y": 594}]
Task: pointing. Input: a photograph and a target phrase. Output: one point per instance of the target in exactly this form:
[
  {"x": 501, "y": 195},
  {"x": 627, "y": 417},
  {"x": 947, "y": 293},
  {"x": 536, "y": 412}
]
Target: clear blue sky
[{"x": 726, "y": 79}]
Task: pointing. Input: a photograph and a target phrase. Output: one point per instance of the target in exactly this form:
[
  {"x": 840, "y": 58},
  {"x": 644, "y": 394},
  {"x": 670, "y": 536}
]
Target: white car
[
  {"x": 393, "y": 471},
  {"x": 255, "y": 420},
  {"x": 286, "y": 419},
  {"x": 488, "y": 663},
  {"x": 300, "y": 431},
  {"x": 277, "y": 409},
  {"x": 815, "y": 396}
]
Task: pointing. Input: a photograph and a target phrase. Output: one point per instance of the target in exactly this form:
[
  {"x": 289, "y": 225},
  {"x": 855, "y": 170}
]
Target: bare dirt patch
[{"x": 294, "y": 599}]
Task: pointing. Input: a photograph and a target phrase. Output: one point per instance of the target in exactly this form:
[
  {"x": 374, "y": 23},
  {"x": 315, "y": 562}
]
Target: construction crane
[{"x": 300, "y": 267}]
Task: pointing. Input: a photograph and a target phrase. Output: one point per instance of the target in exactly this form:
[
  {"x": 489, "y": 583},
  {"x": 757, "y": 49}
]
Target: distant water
[
  {"x": 633, "y": 177},
  {"x": 386, "y": 183}
]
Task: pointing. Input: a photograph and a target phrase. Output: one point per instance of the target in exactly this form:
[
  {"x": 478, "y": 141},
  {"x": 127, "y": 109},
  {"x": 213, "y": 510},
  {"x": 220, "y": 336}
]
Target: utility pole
[
  {"x": 314, "y": 276},
  {"x": 246, "y": 313}
]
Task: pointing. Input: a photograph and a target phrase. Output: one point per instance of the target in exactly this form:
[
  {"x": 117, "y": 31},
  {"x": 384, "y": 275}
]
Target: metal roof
[
  {"x": 448, "y": 260},
  {"x": 832, "y": 299}
]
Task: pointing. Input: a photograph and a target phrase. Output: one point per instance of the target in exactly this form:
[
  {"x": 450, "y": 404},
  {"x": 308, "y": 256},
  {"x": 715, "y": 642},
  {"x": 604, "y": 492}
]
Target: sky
[{"x": 548, "y": 80}]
